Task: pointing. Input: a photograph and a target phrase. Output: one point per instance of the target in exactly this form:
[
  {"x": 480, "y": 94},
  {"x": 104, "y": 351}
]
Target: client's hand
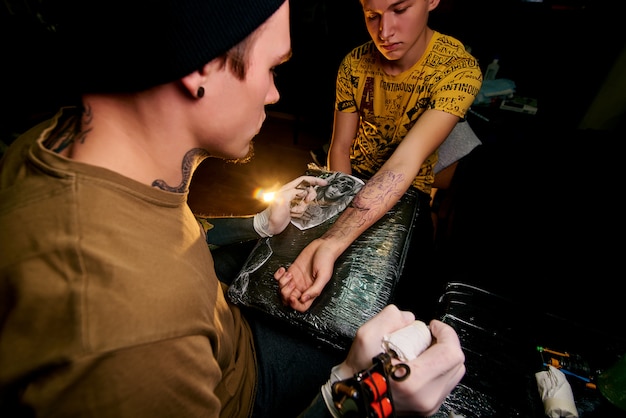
[{"x": 307, "y": 276}]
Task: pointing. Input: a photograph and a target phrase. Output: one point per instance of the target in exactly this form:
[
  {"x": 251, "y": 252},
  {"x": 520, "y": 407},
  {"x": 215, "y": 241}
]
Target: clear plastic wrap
[{"x": 363, "y": 281}]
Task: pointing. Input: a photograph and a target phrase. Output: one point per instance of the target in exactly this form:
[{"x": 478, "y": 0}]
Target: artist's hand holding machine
[{"x": 394, "y": 366}]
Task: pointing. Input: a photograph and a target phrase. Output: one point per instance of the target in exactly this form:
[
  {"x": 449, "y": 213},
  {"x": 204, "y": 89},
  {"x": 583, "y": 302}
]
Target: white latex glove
[
  {"x": 290, "y": 200},
  {"x": 408, "y": 342},
  {"x": 556, "y": 393},
  {"x": 435, "y": 372}
]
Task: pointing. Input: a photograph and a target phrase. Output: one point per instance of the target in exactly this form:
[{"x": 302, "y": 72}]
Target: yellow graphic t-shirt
[{"x": 446, "y": 78}]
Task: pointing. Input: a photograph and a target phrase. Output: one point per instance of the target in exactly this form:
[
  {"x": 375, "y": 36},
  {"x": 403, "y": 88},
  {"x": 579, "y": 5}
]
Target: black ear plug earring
[{"x": 200, "y": 92}]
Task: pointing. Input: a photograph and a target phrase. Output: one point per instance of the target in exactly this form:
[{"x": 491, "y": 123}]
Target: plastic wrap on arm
[{"x": 363, "y": 281}]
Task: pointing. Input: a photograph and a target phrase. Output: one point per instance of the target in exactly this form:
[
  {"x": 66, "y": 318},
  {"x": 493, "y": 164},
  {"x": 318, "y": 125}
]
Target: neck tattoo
[{"x": 191, "y": 160}]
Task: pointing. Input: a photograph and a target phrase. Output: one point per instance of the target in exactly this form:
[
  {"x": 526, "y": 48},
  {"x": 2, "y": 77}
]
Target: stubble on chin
[{"x": 243, "y": 160}]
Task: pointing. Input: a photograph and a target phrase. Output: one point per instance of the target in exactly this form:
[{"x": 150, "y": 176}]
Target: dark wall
[
  {"x": 557, "y": 52},
  {"x": 29, "y": 75},
  {"x": 323, "y": 32}
]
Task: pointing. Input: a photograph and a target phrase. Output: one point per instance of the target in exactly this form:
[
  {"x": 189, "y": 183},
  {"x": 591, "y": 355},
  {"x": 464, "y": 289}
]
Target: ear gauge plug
[{"x": 200, "y": 92}]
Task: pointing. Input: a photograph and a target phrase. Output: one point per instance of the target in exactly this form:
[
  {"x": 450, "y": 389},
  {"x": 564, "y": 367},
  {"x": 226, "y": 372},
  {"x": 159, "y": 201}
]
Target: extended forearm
[{"x": 376, "y": 197}]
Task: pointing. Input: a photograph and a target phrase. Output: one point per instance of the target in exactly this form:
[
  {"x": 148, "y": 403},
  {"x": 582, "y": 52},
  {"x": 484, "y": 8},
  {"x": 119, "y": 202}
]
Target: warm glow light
[{"x": 264, "y": 195}]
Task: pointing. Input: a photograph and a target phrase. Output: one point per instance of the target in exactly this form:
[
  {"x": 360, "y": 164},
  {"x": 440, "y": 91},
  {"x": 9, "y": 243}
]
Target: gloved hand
[
  {"x": 290, "y": 200},
  {"x": 435, "y": 372}
]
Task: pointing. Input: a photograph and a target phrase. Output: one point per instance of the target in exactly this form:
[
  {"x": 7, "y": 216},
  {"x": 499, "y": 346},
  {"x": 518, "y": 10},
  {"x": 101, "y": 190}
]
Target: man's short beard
[{"x": 243, "y": 160}]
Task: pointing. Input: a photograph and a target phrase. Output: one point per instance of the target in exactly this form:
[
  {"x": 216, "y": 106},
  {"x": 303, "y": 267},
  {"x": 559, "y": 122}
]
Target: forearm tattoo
[
  {"x": 369, "y": 204},
  {"x": 191, "y": 160}
]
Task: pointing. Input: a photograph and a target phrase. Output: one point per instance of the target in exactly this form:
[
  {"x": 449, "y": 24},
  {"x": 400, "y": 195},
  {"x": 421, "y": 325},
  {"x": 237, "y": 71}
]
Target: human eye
[
  {"x": 280, "y": 61},
  {"x": 400, "y": 10},
  {"x": 371, "y": 16}
]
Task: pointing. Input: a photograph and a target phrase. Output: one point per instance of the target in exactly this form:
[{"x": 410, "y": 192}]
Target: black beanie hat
[{"x": 131, "y": 45}]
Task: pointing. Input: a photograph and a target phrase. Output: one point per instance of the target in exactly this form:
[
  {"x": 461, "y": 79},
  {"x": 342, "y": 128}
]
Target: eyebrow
[
  {"x": 399, "y": 2},
  {"x": 392, "y": 5}
]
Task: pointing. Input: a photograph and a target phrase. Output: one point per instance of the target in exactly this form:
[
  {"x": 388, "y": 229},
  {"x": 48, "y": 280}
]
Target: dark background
[
  {"x": 537, "y": 211},
  {"x": 558, "y": 51}
]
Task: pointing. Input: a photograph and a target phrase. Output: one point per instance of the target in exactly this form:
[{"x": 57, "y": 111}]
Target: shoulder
[
  {"x": 360, "y": 59},
  {"x": 449, "y": 52},
  {"x": 439, "y": 37},
  {"x": 448, "y": 45},
  {"x": 24, "y": 147},
  {"x": 366, "y": 49}
]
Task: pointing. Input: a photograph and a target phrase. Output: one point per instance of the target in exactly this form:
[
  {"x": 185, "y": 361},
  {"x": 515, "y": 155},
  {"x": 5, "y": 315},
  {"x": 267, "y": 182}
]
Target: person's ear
[
  {"x": 195, "y": 82},
  {"x": 432, "y": 4}
]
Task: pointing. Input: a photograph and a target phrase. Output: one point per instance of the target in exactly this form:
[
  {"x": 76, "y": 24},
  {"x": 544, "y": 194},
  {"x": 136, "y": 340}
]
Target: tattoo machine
[{"x": 368, "y": 392}]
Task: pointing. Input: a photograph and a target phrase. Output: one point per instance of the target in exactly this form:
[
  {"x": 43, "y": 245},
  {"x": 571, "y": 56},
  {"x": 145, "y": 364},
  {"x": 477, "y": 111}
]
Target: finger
[
  {"x": 321, "y": 277},
  {"x": 287, "y": 292},
  {"x": 285, "y": 280},
  {"x": 443, "y": 332},
  {"x": 310, "y": 194},
  {"x": 313, "y": 291},
  {"x": 299, "y": 189},
  {"x": 314, "y": 181},
  {"x": 298, "y": 305},
  {"x": 290, "y": 295},
  {"x": 299, "y": 208},
  {"x": 309, "y": 295},
  {"x": 304, "y": 181},
  {"x": 305, "y": 216},
  {"x": 388, "y": 320},
  {"x": 299, "y": 198},
  {"x": 280, "y": 273},
  {"x": 296, "y": 214},
  {"x": 293, "y": 184},
  {"x": 288, "y": 194}
]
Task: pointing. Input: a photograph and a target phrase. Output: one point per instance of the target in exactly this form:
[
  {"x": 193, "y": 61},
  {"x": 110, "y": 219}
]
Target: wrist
[
  {"x": 334, "y": 243},
  {"x": 261, "y": 223},
  {"x": 340, "y": 372}
]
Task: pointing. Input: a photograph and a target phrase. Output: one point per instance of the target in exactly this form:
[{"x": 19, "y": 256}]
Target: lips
[{"x": 390, "y": 47}]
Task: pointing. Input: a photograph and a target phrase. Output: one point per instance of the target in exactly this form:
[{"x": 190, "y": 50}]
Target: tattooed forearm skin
[
  {"x": 369, "y": 204},
  {"x": 191, "y": 160}
]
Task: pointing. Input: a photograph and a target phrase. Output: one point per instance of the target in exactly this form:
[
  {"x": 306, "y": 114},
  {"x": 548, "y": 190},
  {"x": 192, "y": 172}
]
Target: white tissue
[
  {"x": 408, "y": 342},
  {"x": 556, "y": 394}
]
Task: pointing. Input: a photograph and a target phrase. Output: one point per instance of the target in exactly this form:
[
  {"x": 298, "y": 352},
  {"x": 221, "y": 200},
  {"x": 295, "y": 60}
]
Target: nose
[
  {"x": 385, "y": 28},
  {"x": 273, "y": 95}
]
